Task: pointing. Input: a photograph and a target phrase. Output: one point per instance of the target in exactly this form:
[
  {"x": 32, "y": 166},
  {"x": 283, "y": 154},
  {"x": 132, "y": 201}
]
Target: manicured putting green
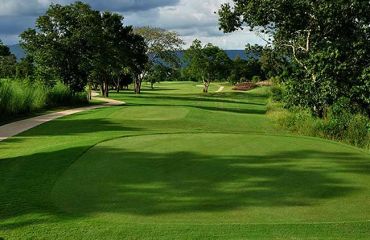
[{"x": 216, "y": 178}]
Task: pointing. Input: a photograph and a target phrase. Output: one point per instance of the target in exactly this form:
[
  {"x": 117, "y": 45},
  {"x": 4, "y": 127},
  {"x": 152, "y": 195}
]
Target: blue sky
[{"x": 190, "y": 18}]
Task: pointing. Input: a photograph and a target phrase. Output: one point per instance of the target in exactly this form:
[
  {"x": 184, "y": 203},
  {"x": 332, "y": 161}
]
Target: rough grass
[
  {"x": 350, "y": 129},
  {"x": 195, "y": 167},
  {"x": 21, "y": 97}
]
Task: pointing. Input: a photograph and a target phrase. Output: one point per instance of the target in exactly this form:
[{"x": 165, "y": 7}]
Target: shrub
[
  {"x": 256, "y": 79},
  {"x": 61, "y": 95},
  {"x": 23, "y": 97},
  {"x": 277, "y": 93},
  {"x": 276, "y": 80},
  {"x": 340, "y": 125},
  {"x": 358, "y": 131},
  {"x": 20, "y": 97},
  {"x": 300, "y": 121}
]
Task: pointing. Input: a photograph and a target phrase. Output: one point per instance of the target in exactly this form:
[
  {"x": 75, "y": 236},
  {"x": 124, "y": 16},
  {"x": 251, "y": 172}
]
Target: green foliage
[
  {"x": 207, "y": 63},
  {"x": 19, "y": 97},
  {"x": 8, "y": 62},
  {"x": 61, "y": 95},
  {"x": 265, "y": 62},
  {"x": 327, "y": 43},
  {"x": 162, "y": 48},
  {"x": 25, "y": 68},
  {"x": 256, "y": 79},
  {"x": 277, "y": 93},
  {"x": 159, "y": 73},
  {"x": 4, "y": 50},
  {"x": 162, "y": 45},
  {"x": 171, "y": 165},
  {"x": 244, "y": 70},
  {"x": 340, "y": 125},
  {"x": 78, "y": 44},
  {"x": 23, "y": 97},
  {"x": 358, "y": 131}
]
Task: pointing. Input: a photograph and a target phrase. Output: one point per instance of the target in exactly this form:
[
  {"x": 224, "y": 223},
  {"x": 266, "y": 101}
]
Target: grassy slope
[{"x": 175, "y": 164}]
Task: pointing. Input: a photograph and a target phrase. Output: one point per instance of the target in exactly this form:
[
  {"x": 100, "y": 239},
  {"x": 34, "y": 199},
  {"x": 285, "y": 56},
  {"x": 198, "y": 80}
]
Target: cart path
[{"x": 15, "y": 128}]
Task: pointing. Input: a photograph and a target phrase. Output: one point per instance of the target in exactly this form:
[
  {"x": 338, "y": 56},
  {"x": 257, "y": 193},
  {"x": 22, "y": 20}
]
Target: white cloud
[
  {"x": 21, "y": 8},
  {"x": 190, "y": 18},
  {"x": 194, "y": 19}
]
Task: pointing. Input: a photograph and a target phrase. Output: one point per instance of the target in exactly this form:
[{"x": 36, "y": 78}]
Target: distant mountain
[
  {"x": 17, "y": 50},
  {"x": 19, "y": 53},
  {"x": 231, "y": 53},
  {"x": 237, "y": 53}
]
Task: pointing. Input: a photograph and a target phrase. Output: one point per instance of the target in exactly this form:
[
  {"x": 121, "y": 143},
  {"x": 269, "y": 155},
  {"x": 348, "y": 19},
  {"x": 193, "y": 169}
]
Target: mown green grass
[{"x": 177, "y": 164}]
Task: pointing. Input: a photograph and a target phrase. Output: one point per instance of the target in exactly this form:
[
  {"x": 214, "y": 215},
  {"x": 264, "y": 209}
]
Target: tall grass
[
  {"x": 353, "y": 129},
  {"x": 18, "y": 97}
]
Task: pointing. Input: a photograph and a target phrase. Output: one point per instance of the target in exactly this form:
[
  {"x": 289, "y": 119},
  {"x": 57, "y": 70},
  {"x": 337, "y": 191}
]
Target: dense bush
[
  {"x": 277, "y": 93},
  {"x": 61, "y": 95},
  {"x": 22, "y": 97},
  {"x": 339, "y": 124},
  {"x": 256, "y": 79}
]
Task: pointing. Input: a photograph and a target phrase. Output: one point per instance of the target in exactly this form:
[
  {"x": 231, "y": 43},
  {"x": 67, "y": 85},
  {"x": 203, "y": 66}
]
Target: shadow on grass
[
  {"x": 208, "y": 108},
  {"x": 148, "y": 184},
  {"x": 68, "y": 126},
  {"x": 216, "y": 98}
]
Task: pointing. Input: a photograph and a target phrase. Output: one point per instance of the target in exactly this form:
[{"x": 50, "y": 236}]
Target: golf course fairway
[{"x": 177, "y": 164}]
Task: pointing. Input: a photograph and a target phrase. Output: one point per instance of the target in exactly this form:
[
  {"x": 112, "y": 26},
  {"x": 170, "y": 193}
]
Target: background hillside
[{"x": 19, "y": 52}]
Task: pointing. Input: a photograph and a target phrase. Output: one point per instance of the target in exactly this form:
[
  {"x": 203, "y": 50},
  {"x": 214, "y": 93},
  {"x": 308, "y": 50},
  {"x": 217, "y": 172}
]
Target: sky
[{"x": 192, "y": 19}]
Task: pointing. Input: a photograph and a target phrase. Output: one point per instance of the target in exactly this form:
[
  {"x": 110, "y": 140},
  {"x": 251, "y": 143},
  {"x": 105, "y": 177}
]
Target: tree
[
  {"x": 8, "y": 62},
  {"x": 159, "y": 72},
  {"x": 25, "y": 68},
  {"x": 126, "y": 79},
  {"x": 80, "y": 45},
  {"x": 328, "y": 41},
  {"x": 112, "y": 54},
  {"x": 207, "y": 63},
  {"x": 4, "y": 50},
  {"x": 244, "y": 70},
  {"x": 63, "y": 43},
  {"x": 162, "y": 48},
  {"x": 138, "y": 60}
]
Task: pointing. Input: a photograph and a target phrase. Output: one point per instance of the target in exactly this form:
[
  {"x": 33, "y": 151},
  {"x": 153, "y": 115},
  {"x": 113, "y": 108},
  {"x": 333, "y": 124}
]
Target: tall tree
[
  {"x": 328, "y": 42},
  {"x": 80, "y": 45},
  {"x": 162, "y": 48},
  {"x": 8, "y": 62},
  {"x": 207, "y": 63},
  {"x": 63, "y": 43},
  {"x": 4, "y": 50},
  {"x": 25, "y": 68}
]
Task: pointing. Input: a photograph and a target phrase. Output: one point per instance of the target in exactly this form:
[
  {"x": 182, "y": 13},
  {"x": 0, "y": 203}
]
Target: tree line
[
  {"x": 85, "y": 48},
  {"x": 326, "y": 46}
]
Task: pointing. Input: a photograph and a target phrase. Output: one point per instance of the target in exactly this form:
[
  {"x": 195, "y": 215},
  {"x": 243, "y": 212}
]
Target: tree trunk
[
  {"x": 106, "y": 88},
  {"x": 206, "y": 86},
  {"x": 90, "y": 92},
  {"x": 102, "y": 89},
  {"x": 152, "y": 85},
  {"x": 138, "y": 85},
  {"x": 118, "y": 86}
]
